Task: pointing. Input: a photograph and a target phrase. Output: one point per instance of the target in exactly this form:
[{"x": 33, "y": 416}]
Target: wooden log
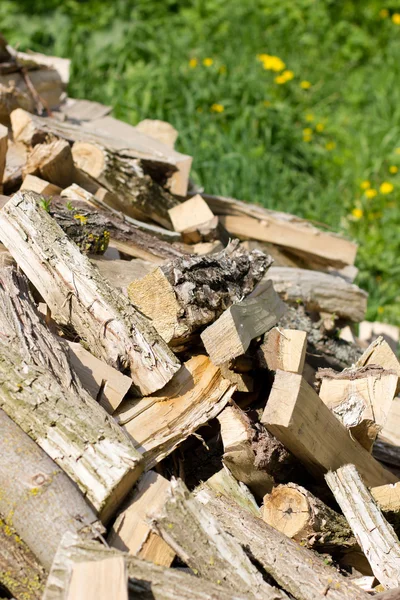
[
  {"x": 77, "y": 294},
  {"x": 205, "y": 546},
  {"x": 45, "y": 82},
  {"x": 159, "y": 423},
  {"x": 69, "y": 425},
  {"x": 375, "y": 536},
  {"x": 159, "y": 130},
  {"x": 387, "y": 497},
  {"x": 121, "y": 273},
  {"x": 40, "y": 186},
  {"x": 255, "y": 222},
  {"x": 303, "y": 517},
  {"x": 320, "y": 292},
  {"x": 131, "y": 531},
  {"x": 146, "y": 580},
  {"x": 283, "y": 349},
  {"x": 380, "y": 353},
  {"x": 99, "y": 580},
  {"x": 360, "y": 398},
  {"x": 387, "y": 445},
  {"x": 84, "y": 110},
  {"x": 188, "y": 293},
  {"x": 300, "y": 420},
  {"x": 32, "y": 60},
  {"x": 297, "y": 570},
  {"x": 223, "y": 482},
  {"x": 368, "y": 332},
  {"x": 52, "y": 162},
  {"x": 3, "y": 152},
  {"x": 15, "y": 161},
  {"x": 38, "y": 499},
  {"x": 231, "y": 334},
  {"x": 190, "y": 214}
]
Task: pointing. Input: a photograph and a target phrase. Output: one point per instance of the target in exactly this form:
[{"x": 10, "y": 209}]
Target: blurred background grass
[{"x": 319, "y": 141}]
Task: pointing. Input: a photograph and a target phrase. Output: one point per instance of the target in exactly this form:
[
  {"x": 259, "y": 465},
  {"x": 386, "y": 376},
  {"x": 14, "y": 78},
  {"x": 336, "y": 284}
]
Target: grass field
[{"x": 291, "y": 104}]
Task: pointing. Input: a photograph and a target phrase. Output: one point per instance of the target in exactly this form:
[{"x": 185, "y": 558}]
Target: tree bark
[{"x": 77, "y": 294}]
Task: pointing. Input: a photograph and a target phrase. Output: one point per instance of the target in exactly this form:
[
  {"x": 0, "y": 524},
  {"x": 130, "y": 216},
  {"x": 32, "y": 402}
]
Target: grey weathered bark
[
  {"x": 297, "y": 570},
  {"x": 41, "y": 394},
  {"x": 77, "y": 294}
]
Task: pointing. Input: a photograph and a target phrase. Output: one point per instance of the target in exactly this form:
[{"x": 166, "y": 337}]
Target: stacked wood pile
[{"x": 180, "y": 416}]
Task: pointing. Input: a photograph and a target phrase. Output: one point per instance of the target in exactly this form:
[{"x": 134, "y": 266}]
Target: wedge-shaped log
[
  {"x": 387, "y": 498},
  {"x": 42, "y": 395},
  {"x": 99, "y": 580},
  {"x": 53, "y": 162},
  {"x": 189, "y": 214},
  {"x": 296, "y": 415},
  {"x": 190, "y": 292},
  {"x": 131, "y": 531},
  {"x": 374, "y": 534},
  {"x": 159, "y": 130},
  {"x": 380, "y": 353},
  {"x": 33, "y": 183},
  {"x": 204, "y": 546},
  {"x": 283, "y": 349},
  {"x": 159, "y": 423},
  {"x": 360, "y": 399},
  {"x": 231, "y": 334},
  {"x": 78, "y": 295}
]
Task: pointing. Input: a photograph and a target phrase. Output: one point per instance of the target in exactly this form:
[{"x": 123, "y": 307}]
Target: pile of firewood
[{"x": 185, "y": 409}]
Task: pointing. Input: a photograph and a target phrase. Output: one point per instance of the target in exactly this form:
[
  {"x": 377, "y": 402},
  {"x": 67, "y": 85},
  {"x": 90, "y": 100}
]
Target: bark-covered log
[
  {"x": 41, "y": 394},
  {"x": 77, "y": 294}
]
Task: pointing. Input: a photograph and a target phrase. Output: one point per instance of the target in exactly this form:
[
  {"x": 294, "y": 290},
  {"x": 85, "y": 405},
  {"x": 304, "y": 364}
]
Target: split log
[
  {"x": 159, "y": 130},
  {"x": 121, "y": 273},
  {"x": 40, "y": 186},
  {"x": 375, "y": 536},
  {"x": 188, "y": 293},
  {"x": 300, "y": 515},
  {"x": 380, "y": 353},
  {"x": 296, "y": 415},
  {"x": 3, "y": 151},
  {"x": 69, "y": 425},
  {"x": 33, "y": 60},
  {"x": 146, "y": 580},
  {"x": 18, "y": 86},
  {"x": 360, "y": 398},
  {"x": 99, "y": 580},
  {"x": 84, "y": 110},
  {"x": 159, "y": 423},
  {"x": 231, "y": 334},
  {"x": 320, "y": 292},
  {"x": 243, "y": 381},
  {"x": 297, "y": 570},
  {"x": 283, "y": 349},
  {"x": 38, "y": 499},
  {"x": 387, "y": 445},
  {"x": 190, "y": 214},
  {"x": 52, "y": 162},
  {"x": 387, "y": 497},
  {"x": 77, "y": 294},
  {"x": 368, "y": 332},
  {"x": 131, "y": 531},
  {"x": 223, "y": 482},
  {"x": 205, "y": 547},
  {"x": 15, "y": 161}
]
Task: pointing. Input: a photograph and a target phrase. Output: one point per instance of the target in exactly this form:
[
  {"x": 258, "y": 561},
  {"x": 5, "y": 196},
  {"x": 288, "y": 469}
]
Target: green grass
[{"x": 135, "y": 55}]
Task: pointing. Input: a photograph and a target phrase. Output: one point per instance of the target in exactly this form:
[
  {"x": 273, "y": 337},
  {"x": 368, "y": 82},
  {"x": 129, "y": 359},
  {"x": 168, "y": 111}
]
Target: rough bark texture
[
  {"x": 40, "y": 393},
  {"x": 77, "y": 294},
  {"x": 205, "y": 547},
  {"x": 146, "y": 581},
  {"x": 297, "y": 570}
]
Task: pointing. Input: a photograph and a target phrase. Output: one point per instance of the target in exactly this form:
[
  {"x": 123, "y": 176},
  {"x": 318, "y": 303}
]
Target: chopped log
[
  {"x": 387, "y": 445},
  {"x": 131, "y": 532},
  {"x": 360, "y": 398},
  {"x": 368, "y": 332},
  {"x": 84, "y": 110},
  {"x": 15, "y": 161},
  {"x": 32, "y": 60},
  {"x": 40, "y": 186},
  {"x": 300, "y": 515},
  {"x": 231, "y": 334},
  {"x": 105, "y": 384},
  {"x": 38, "y": 499},
  {"x": 159, "y": 423},
  {"x": 297, "y": 570},
  {"x": 255, "y": 222},
  {"x": 205, "y": 547},
  {"x": 77, "y": 294},
  {"x": 45, "y": 82},
  {"x": 185, "y": 294},
  {"x": 52, "y": 162},
  {"x": 99, "y": 580},
  {"x": 121, "y": 273},
  {"x": 223, "y": 482},
  {"x": 283, "y": 349},
  {"x": 243, "y": 381},
  {"x": 146, "y": 580},
  {"x": 207, "y": 247},
  {"x": 69, "y": 425},
  {"x": 387, "y": 497},
  {"x": 380, "y": 353},
  {"x": 159, "y": 130},
  {"x": 375, "y": 536},
  {"x": 3, "y": 152},
  {"x": 191, "y": 214},
  {"x": 296, "y": 415},
  {"x": 320, "y": 292}
]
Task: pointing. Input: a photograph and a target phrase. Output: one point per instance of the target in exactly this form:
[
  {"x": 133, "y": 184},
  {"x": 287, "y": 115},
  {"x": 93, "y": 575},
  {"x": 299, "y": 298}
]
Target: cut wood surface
[
  {"x": 190, "y": 214},
  {"x": 53, "y": 162},
  {"x": 320, "y": 292},
  {"x": 159, "y": 423},
  {"x": 205, "y": 547},
  {"x": 387, "y": 445},
  {"x": 99, "y": 580},
  {"x": 368, "y": 332},
  {"x": 15, "y": 160},
  {"x": 387, "y": 498},
  {"x": 40, "y": 186},
  {"x": 283, "y": 349},
  {"x": 70, "y": 426},
  {"x": 360, "y": 398},
  {"x": 77, "y": 294},
  {"x": 231, "y": 334},
  {"x": 121, "y": 273},
  {"x": 131, "y": 531},
  {"x": 375, "y": 536},
  {"x": 380, "y": 353},
  {"x": 296, "y": 415},
  {"x": 3, "y": 151},
  {"x": 159, "y": 130}
]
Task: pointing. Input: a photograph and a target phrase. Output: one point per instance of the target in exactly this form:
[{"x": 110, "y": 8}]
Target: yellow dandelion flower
[
  {"x": 384, "y": 13},
  {"x": 393, "y": 169},
  {"x": 380, "y": 310},
  {"x": 386, "y": 187},
  {"x": 307, "y": 138},
  {"x": 271, "y": 63},
  {"x": 396, "y": 18},
  {"x": 280, "y": 79},
  {"x": 218, "y": 108},
  {"x": 288, "y": 75},
  {"x": 307, "y": 131},
  {"x": 330, "y": 146},
  {"x": 193, "y": 62},
  {"x": 305, "y": 85},
  {"x": 364, "y": 185},
  {"x": 222, "y": 69},
  {"x": 397, "y": 150},
  {"x": 309, "y": 117},
  {"x": 357, "y": 213},
  {"x": 370, "y": 193},
  {"x": 319, "y": 127},
  {"x": 207, "y": 62}
]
